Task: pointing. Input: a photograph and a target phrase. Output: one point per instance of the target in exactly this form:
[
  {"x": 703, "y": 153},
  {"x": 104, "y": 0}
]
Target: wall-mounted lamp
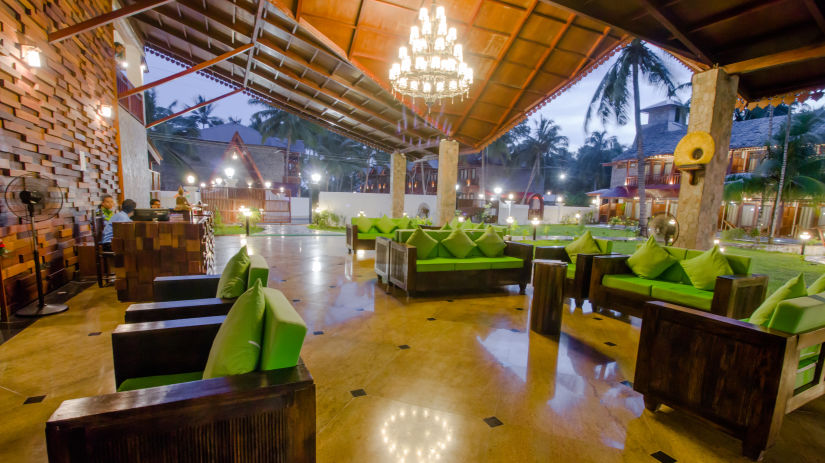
[
  {"x": 203, "y": 185},
  {"x": 32, "y": 56},
  {"x": 234, "y": 155},
  {"x": 218, "y": 181},
  {"x": 249, "y": 184},
  {"x": 268, "y": 185},
  {"x": 105, "y": 111}
]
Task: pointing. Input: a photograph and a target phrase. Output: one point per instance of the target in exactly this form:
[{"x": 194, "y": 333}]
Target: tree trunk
[
  {"x": 423, "y": 180},
  {"x": 759, "y": 217},
  {"x": 777, "y": 209},
  {"x": 640, "y": 152},
  {"x": 483, "y": 174}
]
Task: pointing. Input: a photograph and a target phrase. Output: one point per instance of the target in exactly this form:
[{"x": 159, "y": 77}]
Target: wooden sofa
[
  {"x": 735, "y": 296},
  {"x": 191, "y": 295},
  {"x": 577, "y": 281},
  {"x": 263, "y": 416},
  {"x": 408, "y": 273},
  {"x": 741, "y": 377},
  {"x": 360, "y": 239}
]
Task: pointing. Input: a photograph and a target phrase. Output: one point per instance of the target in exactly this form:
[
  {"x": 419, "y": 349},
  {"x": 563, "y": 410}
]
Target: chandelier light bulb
[{"x": 423, "y": 14}]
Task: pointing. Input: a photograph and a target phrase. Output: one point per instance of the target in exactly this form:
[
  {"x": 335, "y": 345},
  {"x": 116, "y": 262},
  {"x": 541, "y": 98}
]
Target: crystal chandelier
[{"x": 433, "y": 68}]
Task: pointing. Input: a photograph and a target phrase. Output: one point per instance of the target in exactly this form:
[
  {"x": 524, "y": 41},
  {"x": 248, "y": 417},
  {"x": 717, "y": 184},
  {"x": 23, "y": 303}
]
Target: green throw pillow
[
  {"x": 584, "y": 244},
  {"x": 385, "y": 225},
  {"x": 363, "y": 223},
  {"x": 650, "y": 260},
  {"x": 403, "y": 223},
  {"x": 237, "y": 346},
  {"x": 424, "y": 243},
  {"x": 703, "y": 269},
  {"x": 795, "y": 287},
  {"x": 284, "y": 332},
  {"x": 490, "y": 244},
  {"x": 458, "y": 243},
  {"x": 817, "y": 286},
  {"x": 234, "y": 277}
]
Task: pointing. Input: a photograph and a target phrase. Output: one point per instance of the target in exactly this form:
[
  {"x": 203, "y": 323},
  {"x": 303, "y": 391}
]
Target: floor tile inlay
[
  {"x": 34, "y": 400},
  {"x": 358, "y": 393},
  {"x": 663, "y": 457},
  {"x": 492, "y": 421}
]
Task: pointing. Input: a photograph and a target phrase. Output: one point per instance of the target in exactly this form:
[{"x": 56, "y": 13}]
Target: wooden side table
[{"x": 548, "y": 296}]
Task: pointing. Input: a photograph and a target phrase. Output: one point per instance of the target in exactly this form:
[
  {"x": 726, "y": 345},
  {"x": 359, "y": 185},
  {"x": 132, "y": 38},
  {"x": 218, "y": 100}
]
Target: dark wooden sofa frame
[
  {"x": 735, "y": 375},
  {"x": 181, "y": 297},
  {"x": 355, "y": 244},
  {"x": 264, "y": 416},
  {"x": 734, "y": 296},
  {"x": 403, "y": 273},
  {"x": 578, "y": 287}
]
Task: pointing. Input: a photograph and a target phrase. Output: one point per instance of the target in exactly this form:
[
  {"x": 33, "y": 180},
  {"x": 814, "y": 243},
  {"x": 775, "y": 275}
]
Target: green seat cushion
[
  {"x": 650, "y": 260},
  {"x": 237, "y": 346},
  {"x": 402, "y": 222},
  {"x": 258, "y": 271},
  {"x": 284, "y": 332},
  {"x": 681, "y": 294},
  {"x": 506, "y": 262},
  {"x": 626, "y": 282},
  {"x": 458, "y": 243},
  {"x": 473, "y": 263},
  {"x": 800, "y": 314},
  {"x": 436, "y": 264},
  {"x": 817, "y": 286},
  {"x": 703, "y": 269},
  {"x": 584, "y": 244},
  {"x": 571, "y": 271},
  {"x": 490, "y": 243},
  {"x": 423, "y": 242},
  {"x": 234, "y": 276},
  {"x": 363, "y": 223},
  {"x": 133, "y": 384},
  {"x": 385, "y": 225},
  {"x": 372, "y": 236},
  {"x": 795, "y": 287}
]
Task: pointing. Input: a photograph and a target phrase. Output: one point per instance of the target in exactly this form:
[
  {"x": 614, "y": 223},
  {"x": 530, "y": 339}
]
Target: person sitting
[
  {"x": 154, "y": 203},
  {"x": 106, "y": 208},
  {"x": 127, "y": 209}
]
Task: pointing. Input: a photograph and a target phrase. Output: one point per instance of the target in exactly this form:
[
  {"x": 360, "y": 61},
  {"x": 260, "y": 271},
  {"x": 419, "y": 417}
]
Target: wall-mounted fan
[
  {"x": 35, "y": 199},
  {"x": 664, "y": 227}
]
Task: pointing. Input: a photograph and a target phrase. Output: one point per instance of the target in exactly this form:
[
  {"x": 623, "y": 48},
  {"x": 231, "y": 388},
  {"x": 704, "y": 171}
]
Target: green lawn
[
  {"x": 779, "y": 266},
  {"x": 570, "y": 230},
  {"x": 235, "y": 229},
  {"x": 323, "y": 228}
]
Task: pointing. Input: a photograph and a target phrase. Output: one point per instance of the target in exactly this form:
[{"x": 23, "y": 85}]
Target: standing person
[
  {"x": 127, "y": 209},
  {"x": 106, "y": 208}
]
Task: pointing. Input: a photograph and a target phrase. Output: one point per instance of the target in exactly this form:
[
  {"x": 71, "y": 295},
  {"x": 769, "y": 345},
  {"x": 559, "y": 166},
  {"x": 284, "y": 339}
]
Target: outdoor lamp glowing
[
  {"x": 497, "y": 190},
  {"x": 218, "y": 181},
  {"x": 229, "y": 172},
  {"x": 535, "y": 221},
  {"x": 282, "y": 189},
  {"x": 510, "y": 196},
  {"x": 805, "y": 236},
  {"x": 578, "y": 216},
  {"x": 549, "y": 193},
  {"x": 32, "y": 56},
  {"x": 249, "y": 184},
  {"x": 247, "y": 213},
  {"x": 234, "y": 155},
  {"x": 510, "y": 220},
  {"x": 481, "y": 196},
  {"x": 267, "y": 184},
  {"x": 190, "y": 179},
  {"x": 316, "y": 177},
  {"x": 715, "y": 241},
  {"x": 461, "y": 218},
  {"x": 106, "y": 111},
  {"x": 361, "y": 213},
  {"x": 203, "y": 185},
  {"x": 562, "y": 176},
  {"x": 559, "y": 199}
]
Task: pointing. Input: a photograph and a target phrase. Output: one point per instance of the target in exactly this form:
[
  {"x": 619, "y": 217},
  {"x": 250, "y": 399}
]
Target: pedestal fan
[
  {"x": 35, "y": 199},
  {"x": 664, "y": 227}
]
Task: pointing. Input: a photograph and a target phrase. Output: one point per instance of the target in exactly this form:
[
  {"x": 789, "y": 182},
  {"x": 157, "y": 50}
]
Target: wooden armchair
[
  {"x": 738, "y": 376},
  {"x": 577, "y": 287},
  {"x": 263, "y": 416}
]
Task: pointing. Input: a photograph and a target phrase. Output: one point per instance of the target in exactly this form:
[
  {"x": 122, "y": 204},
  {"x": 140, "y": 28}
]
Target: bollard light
[
  {"x": 804, "y": 236},
  {"x": 535, "y": 223}
]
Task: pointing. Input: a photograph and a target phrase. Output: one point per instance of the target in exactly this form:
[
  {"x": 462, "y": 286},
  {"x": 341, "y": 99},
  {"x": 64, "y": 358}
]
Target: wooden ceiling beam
[
  {"x": 668, "y": 24},
  {"x": 731, "y": 14},
  {"x": 355, "y": 32},
  {"x": 540, "y": 64},
  {"x": 256, "y": 30},
  {"x": 816, "y": 12},
  {"x": 196, "y": 68},
  {"x": 191, "y": 108},
  {"x": 104, "y": 19},
  {"x": 493, "y": 69},
  {"x": 777, "y": 59}
]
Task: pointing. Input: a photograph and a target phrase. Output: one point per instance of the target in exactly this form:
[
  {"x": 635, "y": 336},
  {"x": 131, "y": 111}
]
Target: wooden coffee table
[{"x": 548, "y": 296}]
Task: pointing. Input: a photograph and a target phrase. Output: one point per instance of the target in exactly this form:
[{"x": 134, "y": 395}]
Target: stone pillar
[
  {"x": 711, "y": 110},
  {"x": 398, "y": 182},
  {"x": 447, "y": 179}
]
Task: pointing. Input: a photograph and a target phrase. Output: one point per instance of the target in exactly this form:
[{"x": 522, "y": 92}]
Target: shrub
[
  {"x": 326, "y": 219},
  {"x": 733, "y": 234}
]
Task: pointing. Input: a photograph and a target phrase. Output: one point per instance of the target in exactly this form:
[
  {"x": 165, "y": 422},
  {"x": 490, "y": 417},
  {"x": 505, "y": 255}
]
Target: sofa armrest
[
  {"x": 173, "y": 310},
  {"x": 551, "y": 252},
  {"x": 402, "y": 265},
  {"x": 162, "y": 348},
  {"x": 521, "y": 250},
  {"x": 177, "y": 288},
  {"x": 734, "y": 374},
  {"x": 737, "y": 296},
  {"x": 352, "y": 235}
]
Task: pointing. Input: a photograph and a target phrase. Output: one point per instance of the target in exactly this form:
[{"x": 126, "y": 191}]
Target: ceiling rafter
[
  {"x": 355, "y": 32},
  {"x": 256, "y": 30},
  {"x": 191, "y": 108},
  {"x": 103, "y": 19},
  {"x": 731, "y": 14},
  {"x": 662, "y": 18},
  {"x": 816, "y": 12}
]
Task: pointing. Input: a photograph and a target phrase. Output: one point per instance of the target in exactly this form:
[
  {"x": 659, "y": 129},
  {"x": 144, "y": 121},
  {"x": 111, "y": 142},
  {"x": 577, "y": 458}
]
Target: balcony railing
[
  {"x": 655, "y": 179},
  {"x": 155, "y": 180},
  {"x": 132, "y": 104}
]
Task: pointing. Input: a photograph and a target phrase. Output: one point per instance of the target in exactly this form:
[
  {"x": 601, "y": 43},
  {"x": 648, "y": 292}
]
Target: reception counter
[{"x": 145, "y": 250}]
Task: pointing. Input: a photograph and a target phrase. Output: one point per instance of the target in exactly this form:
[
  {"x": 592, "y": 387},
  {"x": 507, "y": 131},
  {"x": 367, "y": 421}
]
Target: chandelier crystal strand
[{"x": 433, "y": 66}]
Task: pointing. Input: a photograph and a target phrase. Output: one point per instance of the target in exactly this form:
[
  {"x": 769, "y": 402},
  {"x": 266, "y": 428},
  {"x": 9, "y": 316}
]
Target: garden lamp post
[
  {"x": 804, "y": 236},
  {"x": 314, "y": 194},
  {"x": 247, "y": 213},
  {"x": 535, "y": 223},
  {"x": 510, "y": 221},
  {"x": 578, "y": 218}
]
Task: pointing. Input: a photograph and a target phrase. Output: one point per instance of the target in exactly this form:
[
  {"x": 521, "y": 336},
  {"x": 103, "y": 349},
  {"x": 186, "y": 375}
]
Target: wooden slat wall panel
[{"x": 48, "y": 117}]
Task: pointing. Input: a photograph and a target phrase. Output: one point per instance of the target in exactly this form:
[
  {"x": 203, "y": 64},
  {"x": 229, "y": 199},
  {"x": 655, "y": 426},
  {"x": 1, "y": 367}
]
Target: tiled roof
[
  {"x": 751, "y": 133},
  {"x": 225, "y": 132}
]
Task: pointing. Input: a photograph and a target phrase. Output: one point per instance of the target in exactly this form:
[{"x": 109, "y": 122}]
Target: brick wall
[{"x": 48, "y": 119}]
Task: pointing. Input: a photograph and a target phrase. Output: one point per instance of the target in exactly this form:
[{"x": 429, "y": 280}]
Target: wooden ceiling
[{"x": 328, "y": 60}]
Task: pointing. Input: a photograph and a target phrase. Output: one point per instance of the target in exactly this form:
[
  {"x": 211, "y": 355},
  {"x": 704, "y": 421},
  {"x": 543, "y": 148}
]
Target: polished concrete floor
[{"x": 458, "y": 378}]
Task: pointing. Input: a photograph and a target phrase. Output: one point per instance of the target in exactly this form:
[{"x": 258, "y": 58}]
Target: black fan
[
  {"x": 664, "y": 227},
  {"x": 34, "y": 199}
]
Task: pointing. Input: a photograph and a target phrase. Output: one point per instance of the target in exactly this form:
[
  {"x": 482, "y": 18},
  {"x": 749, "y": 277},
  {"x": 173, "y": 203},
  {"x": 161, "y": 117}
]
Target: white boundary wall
[{"x": 373, "y": 204}]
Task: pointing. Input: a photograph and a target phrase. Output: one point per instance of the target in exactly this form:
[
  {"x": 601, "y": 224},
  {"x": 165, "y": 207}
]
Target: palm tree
[
  {"x": 597, "y": 150},
  {"x": 612, "y": 100},
  {"x": 234, "y": 120},
  {"x": 178, "y": 126},
  {"x": 273, "y": 122},
  {"x": 203, "y": 115},
  {"x": 543, "y": 143}
]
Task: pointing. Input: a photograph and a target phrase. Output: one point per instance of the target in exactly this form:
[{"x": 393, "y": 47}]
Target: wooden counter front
[{"x": 145, "y": 250}]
